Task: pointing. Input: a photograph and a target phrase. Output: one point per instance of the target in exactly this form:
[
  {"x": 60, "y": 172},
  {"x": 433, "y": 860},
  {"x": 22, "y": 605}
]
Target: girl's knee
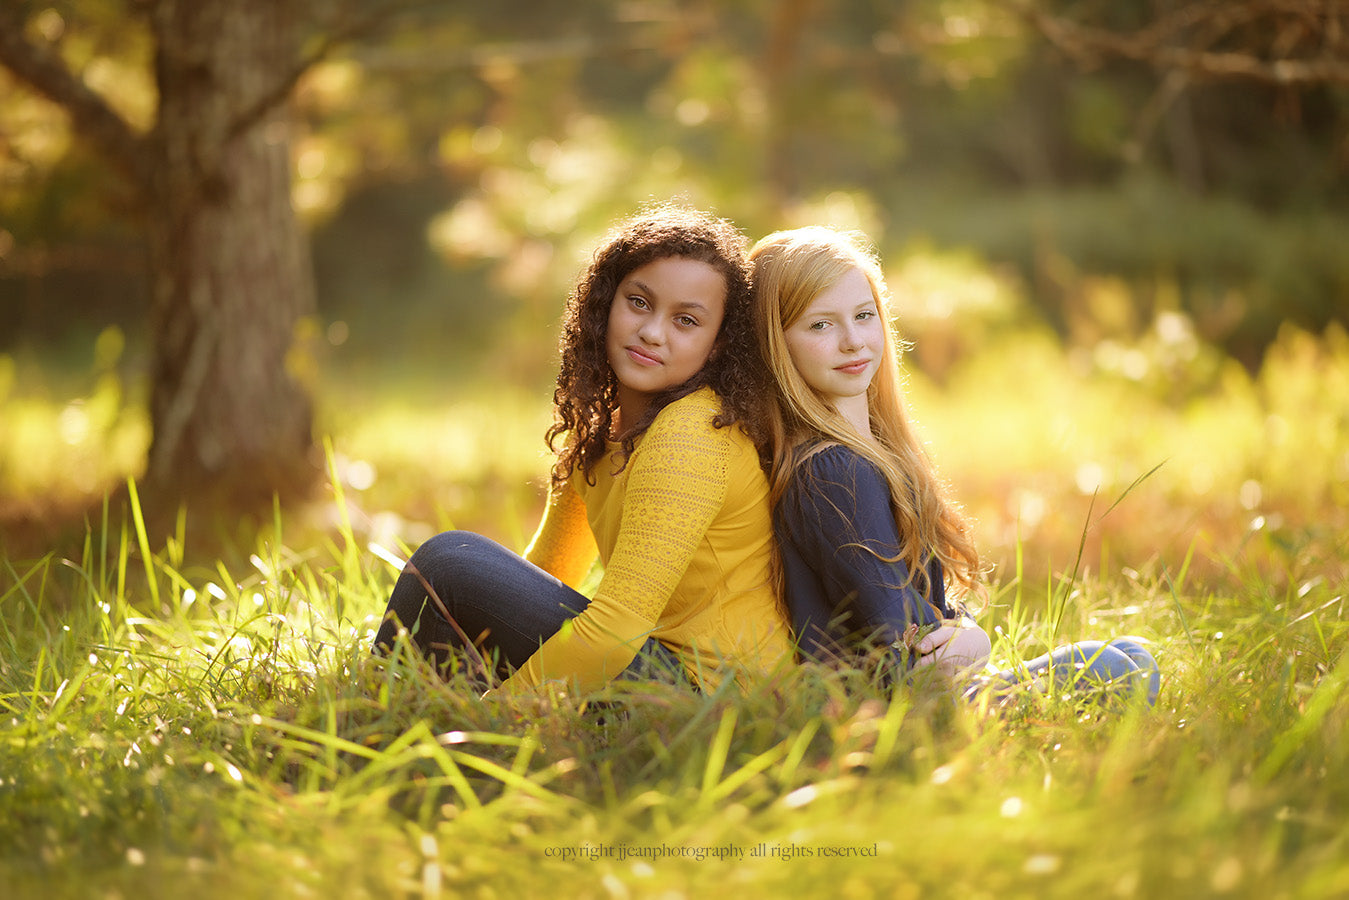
[
  {"x": 1136, "y": 649},
  {"x": 449, "y": 544},
  {"x": 1122, "y": 664},
  {"x": 448, "y": 551}
]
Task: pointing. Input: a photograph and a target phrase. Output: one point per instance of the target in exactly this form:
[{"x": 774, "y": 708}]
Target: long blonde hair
[{"x": 790, "y": 269}]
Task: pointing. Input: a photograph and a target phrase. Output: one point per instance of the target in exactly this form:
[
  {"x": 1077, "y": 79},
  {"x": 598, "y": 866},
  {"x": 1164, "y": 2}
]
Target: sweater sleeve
[
  {"x": 676, "y": 483},
  {"x": 836, "y": 516},
  {"x": 564, "y": 546}
]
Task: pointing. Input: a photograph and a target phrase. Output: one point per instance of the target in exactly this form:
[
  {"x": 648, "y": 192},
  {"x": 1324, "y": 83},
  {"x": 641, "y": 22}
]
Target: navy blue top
[{"x": 841, "y": 595}]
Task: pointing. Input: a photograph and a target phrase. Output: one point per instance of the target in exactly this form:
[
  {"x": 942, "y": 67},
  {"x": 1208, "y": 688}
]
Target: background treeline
[{"x": 453, "y": 162}]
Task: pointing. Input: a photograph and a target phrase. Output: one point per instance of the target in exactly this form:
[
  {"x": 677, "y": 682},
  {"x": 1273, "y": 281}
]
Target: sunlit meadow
[{"x": 177, "y": 726}]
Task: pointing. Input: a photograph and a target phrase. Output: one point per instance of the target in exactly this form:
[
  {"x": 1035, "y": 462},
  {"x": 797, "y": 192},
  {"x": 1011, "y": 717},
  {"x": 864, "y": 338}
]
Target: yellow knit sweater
[{"x": 684, "y": 535}]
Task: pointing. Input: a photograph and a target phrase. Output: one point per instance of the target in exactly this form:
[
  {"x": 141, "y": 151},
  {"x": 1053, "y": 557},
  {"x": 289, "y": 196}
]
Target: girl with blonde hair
[{"x": 871, "y": 549}]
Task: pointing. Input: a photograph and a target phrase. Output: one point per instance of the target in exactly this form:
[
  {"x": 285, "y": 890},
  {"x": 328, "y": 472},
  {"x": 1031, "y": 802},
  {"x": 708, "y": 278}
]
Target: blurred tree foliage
[{"x": 455, "y": 165}]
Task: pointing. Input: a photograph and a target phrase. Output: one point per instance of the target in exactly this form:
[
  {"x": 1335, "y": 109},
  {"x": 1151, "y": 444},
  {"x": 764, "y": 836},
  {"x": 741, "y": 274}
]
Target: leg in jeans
[
  {"x": 1136, "y": 649},
  {"x": 500, "y": 602},
  {"x": 1120, "y": 667}
]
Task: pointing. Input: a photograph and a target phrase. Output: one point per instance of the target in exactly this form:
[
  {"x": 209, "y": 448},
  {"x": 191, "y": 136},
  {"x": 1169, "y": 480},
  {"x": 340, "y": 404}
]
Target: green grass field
[{"x": 173, "y": 727}]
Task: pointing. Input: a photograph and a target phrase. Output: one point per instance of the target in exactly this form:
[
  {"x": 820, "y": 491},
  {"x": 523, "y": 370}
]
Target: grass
[{"x": 173, "y": 727}]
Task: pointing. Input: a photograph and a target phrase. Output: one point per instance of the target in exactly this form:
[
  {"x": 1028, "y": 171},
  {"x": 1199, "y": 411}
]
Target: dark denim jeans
[{"x": 461, "y": 589}]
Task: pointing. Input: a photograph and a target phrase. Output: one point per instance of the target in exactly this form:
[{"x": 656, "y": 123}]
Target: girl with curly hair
[
  {"x": 871, "y": 550},
  {"x": 657, "y": 431}
]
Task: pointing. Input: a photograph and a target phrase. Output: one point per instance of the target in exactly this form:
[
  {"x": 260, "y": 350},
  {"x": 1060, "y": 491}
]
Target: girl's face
[
  {"x": 663, "y": 323},
  {"x": 836, "y": 342}
]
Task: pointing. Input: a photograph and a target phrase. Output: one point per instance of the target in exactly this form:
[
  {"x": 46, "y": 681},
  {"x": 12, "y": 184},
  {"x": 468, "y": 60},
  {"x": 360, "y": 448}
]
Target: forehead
[
  {"x": 851, "y": 289},
  {"x": 680, "y": 279}
]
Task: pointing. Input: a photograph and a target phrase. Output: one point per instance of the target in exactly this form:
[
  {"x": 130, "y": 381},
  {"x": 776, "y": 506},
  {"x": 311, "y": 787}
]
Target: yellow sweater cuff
[{"x": 588, "y": 651}]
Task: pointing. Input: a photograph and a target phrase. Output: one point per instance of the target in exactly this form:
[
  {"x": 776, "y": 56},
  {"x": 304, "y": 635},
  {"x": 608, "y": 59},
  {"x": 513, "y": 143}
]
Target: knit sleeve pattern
[{"x": 676, "y": 483}]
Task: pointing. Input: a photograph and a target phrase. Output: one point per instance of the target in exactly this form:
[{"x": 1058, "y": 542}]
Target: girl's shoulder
[
  {"x": 696, "y": 404},
  {"x": 833, "y": 482},
  {"x": 833, "y": 461},
  {"x": 689, "y": 424},
  {"x": 835, "y": 472},
  {"x": 692, "y": 413}
]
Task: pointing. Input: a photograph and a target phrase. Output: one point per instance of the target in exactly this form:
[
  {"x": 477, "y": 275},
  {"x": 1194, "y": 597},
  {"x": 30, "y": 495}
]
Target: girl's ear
[{"x": 718, "y": 347}]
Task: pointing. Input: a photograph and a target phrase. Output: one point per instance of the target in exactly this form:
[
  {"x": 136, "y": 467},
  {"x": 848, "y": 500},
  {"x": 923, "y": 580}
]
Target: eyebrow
[
  {"x": 814, "y": 313},
  {"x": 683, "y": 304}
]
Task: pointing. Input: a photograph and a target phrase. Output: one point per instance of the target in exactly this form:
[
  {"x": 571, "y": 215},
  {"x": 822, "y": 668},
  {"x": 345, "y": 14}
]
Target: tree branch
[
  {"x": 358, "y": 26},
  {"x": 91, "y": 117},
  {"x": 1162, "y": 43},
  {"x": 1289, "y": 72}
]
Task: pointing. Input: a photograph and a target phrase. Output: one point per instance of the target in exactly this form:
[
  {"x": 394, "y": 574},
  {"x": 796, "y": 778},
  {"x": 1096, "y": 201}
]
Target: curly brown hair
[{"x": 586, "y": 396}]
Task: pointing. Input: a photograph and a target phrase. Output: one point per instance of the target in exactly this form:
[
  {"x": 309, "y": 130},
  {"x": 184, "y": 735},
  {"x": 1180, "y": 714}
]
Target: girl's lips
[
  {"x": 641, "y": 357},
  {"x": 856, "y": 368}
]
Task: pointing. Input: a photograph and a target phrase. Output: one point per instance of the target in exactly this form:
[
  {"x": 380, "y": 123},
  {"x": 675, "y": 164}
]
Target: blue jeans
[
  {"x": 1118, "y": 668},
  {"x": 463, "y": 596}
]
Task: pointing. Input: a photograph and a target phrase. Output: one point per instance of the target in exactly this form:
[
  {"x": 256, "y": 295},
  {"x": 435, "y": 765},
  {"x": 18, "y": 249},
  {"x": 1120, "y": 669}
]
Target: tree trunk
[
  {"x": 233, "y": 298},
  {"x": 778, "y": 68}
]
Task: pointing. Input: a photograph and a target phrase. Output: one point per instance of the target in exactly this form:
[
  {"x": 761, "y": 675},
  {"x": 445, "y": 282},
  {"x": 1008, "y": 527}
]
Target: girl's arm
[
  {"x": 564, "y": 546},
  {"x": 834, "y": 514},
  {"x": 676, "y": 483}
]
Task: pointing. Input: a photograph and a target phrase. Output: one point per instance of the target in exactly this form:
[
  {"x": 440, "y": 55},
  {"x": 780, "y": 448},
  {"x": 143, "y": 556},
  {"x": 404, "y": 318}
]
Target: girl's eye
[
  {"x": 639, "y": 302},
  {"x": 687, "y": 321},
  {"x": 866, "y": 314},
  {"x": 818, "y": 326}
]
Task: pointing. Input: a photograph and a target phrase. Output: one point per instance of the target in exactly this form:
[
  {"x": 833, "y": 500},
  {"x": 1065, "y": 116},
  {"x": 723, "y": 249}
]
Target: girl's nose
[{"x": 651, "y": 331}]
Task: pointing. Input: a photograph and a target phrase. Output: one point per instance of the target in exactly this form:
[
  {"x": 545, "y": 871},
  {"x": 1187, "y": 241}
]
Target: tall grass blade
[
  {"x": 716, "y": 757},
  {"x": 143, "y": 541}
]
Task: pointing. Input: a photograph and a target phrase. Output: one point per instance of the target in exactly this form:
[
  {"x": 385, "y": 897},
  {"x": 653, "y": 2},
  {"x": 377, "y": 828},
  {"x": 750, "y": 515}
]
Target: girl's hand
[{"x": 954, "y": 647}]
